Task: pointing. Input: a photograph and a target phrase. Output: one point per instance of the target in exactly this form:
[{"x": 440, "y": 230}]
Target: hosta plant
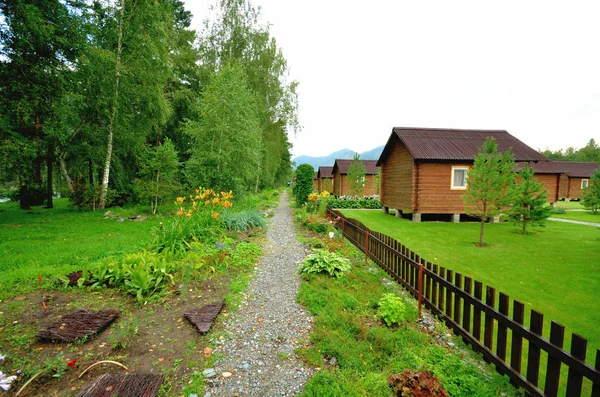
[{"x": 323, "y": 261}]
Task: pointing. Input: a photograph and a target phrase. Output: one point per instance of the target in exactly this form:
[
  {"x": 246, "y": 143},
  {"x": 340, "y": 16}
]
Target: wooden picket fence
[{"x": 468, "y": 310}]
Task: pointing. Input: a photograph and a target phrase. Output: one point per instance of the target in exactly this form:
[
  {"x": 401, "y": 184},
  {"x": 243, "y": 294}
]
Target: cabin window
[
  {"x": 584, "y": 183},
  {"x": 459, "y": 177}
]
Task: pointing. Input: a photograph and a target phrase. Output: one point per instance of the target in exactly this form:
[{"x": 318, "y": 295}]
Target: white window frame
[
  {"x": 452, "y": 185},
  {"x": 585, "y": 183}
]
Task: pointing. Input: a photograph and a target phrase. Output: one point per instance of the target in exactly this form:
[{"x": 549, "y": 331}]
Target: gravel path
[
  {"x": 269, "y": 325},
  {"x": 576, "y": 222}
]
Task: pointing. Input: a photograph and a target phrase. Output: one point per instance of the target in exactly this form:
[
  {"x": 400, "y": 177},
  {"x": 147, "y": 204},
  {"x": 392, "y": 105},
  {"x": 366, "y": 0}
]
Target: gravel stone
[{"x": 269, "y": 324}]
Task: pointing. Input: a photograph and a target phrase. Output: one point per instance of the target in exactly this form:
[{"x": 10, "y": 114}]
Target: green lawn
[
  {"x": 585, "y": 216},
  {"x": 49, "y": 242},
  {"x": 555, "y": 269}
]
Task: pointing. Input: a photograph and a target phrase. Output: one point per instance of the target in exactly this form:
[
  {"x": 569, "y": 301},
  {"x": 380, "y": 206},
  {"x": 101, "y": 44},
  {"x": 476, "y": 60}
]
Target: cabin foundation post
[
  {"x": 386, "y": 210},
  {"x": 398, "y": 213},
  {"x": 416, "y": 217},
  {"x": 456, "y": 218},
  {"x": 495, "y": 219}
]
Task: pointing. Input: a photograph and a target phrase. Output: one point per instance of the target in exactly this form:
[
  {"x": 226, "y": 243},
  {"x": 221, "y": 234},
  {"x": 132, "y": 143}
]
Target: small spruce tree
[
  {"x": 590, "y": 195},
  {"x": 488, "y": 184},
  {"x": 529, "y": 206},
  {"x": 356, "y": 177}
]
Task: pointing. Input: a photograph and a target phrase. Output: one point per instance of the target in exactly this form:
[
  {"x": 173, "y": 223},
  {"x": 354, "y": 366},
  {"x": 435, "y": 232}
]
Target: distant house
[
  {"x": 325, "y": 177},
  {"x": 340, "y": 177},
  {"x": 563, "y": 179},
  {"x": 578, "y": 177},
  {"x": 315, "y": 187},
  {"x": 424, "y": 170}
]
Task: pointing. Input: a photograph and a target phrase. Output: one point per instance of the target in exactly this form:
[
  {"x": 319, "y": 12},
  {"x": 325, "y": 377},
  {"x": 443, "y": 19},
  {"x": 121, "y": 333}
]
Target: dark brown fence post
[
  {"x": 557, "y": 338},
  {"x": 466, "y": 320},
  {"x": 536, "y": 324},
  {"x": 367, "y": 246},
  {"x": 434, "y": 286},
  {"x": 420, "y": 287},
  {"x": 575, "y": 379},
  {"x": 458, "y": 283},
  {"x": 477, "y": 312},
  {"x": 343, "y": 227},
  {"x": 490, "y": 300},
  {"x": 596, "y": 387},
  {"x": 502, "y": 330},
  {"x": 516, "y": 350},
  {"x": 441, "y": 290},
  {"x": 449, "y": 277}
]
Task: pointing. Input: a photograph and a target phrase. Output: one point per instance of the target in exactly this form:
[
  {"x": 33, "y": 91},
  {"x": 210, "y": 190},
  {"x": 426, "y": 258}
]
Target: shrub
[
  {"x": 354, "y": 202},
  {"x": 392, "y": 309},
  {"x": 323, "y": 261},
  {"x": 305, "y": 174},
  {"x": 416, "y": 384},
  {"x": 241, "y": 221}
]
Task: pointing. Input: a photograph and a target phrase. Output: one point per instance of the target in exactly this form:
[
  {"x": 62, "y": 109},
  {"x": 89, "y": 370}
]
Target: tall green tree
[
  {"x": 488, "y": 184},
  {"x": 158, "y": 174},
  {"x": 590, "y": 195},
  {"x": 225, "y": 142},
  {"x": 39, "y": 46},
  {"x": 356, "y": 177},
  {"x": 305, "y": 174},
  {"x": 529, "y": 206},
  {"x": 236, "y": 35}
]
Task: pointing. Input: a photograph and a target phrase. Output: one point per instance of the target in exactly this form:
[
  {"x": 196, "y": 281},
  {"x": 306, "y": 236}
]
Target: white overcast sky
[{"x": 529, "y": 67}]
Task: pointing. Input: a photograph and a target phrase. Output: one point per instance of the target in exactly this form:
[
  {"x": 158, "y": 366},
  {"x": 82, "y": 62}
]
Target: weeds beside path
[{"x": 257, "y": 358}]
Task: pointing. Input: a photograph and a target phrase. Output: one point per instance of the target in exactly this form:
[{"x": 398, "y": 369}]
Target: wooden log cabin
[
  {"x": 340, "y": 177},
  {"x": 325, "y": 177},
  {"x": 315, "y": 186},
  {"x": 564, "y": 180},
  {"x": 578, "y": 176},
  {"x": 424, "y": 170}
]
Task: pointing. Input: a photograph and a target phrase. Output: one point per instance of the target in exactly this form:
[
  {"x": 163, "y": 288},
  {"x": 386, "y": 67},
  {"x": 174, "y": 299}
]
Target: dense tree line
[
  {"x": 589, "y": 153},
  {"x": 128, "y": 103}
]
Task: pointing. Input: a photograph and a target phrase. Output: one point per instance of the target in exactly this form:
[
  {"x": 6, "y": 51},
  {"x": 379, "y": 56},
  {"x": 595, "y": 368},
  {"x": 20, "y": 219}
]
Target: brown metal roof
[
  {"x": 542, "y": 167},
  {"x": 325, "y": 172},
  {"x": 576, "y": 169},
  {"x": 344, "y": 166},
  {"x": 457, "y": 144}
]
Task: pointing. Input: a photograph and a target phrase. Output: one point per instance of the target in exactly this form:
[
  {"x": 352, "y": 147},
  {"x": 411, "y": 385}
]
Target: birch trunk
[
  {"x": 63, "y": 168},
  {"x": 112, "y": 121}
]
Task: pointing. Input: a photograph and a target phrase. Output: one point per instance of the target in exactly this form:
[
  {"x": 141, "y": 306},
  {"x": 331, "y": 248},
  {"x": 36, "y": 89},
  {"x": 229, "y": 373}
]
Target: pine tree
[
  {"x": 529, "y": 206},
  {"x": 488, "y": 184},
  {"x": 591, "y": 194},
  {"x": 356, "y": 177}
]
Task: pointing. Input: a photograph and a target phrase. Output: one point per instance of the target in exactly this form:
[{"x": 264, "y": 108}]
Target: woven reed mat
[
  {"x": 77, "y": 325},
  {"x": 135, "y": 385},
  {"x": 204, "y": 317}
]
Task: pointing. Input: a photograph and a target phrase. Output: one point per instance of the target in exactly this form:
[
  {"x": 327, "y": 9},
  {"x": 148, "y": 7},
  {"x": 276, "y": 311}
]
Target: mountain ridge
[{"x": 328, "y": 160}]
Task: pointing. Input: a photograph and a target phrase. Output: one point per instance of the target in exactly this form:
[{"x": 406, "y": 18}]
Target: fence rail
[{"x": 469, "y": 310}]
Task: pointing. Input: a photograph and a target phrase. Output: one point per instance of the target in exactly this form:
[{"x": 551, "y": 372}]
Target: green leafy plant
[
  {"x": 354, "y": 202},
  {"x": 325, "y": 262},
  {"x": 242, "y": 221},
  {"x": 392, "y": 309},
  {"x": 305, "y": 174},
  {"x": 416, "y": 384},
  {"x": 142, "y": 274}
]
